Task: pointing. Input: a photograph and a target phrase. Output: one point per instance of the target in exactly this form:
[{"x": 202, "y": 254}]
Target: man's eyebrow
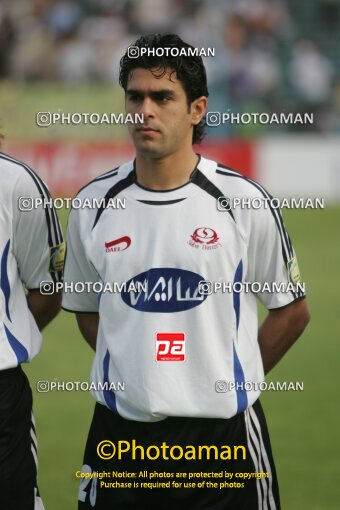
[
  {"x": 134, "y": 91},
  {"x": 163, "y": 92},
  {"x": 159, "y": 92}
]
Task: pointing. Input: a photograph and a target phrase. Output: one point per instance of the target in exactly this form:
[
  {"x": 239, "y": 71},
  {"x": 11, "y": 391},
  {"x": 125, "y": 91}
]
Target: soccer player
[
  {"x": 176, "y": 349},
  {"x": 31, "y": 251}
]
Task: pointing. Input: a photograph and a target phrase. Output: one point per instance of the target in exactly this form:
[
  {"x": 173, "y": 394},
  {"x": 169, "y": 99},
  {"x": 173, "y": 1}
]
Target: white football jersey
[
  {"x": 173, "y": 346},
  {"x": 31, "y": 251}
]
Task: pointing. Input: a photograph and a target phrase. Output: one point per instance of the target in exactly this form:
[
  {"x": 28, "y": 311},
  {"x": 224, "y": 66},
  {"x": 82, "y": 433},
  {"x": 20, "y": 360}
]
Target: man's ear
[{"x": 197, "y": 109}]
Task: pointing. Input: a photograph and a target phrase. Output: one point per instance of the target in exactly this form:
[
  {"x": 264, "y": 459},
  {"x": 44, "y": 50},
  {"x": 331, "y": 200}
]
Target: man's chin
[{"x": 149, "y": 149}]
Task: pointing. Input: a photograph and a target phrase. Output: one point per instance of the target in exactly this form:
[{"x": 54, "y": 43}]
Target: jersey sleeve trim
[
  {"x": 299, "y": 298},
  {"x": 75, "y": 311}
]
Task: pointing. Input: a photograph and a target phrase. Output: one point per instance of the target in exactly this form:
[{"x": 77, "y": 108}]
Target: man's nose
[{"x": 147, "y": 108}]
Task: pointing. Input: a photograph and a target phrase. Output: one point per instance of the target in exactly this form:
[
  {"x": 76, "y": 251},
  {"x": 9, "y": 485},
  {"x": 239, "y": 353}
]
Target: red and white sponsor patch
[
  {"x": 120, "y": 244},
  {"x": 170, "y": 346}
]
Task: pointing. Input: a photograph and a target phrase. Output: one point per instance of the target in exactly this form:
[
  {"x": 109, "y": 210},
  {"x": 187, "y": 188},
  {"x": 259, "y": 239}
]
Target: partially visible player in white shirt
[
  {"x": 31, "y": 251},
  {"x": 170, "y": 237}
]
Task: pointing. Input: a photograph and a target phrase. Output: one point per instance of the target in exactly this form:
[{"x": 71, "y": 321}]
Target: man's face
[{"x": 167, "y": 119}]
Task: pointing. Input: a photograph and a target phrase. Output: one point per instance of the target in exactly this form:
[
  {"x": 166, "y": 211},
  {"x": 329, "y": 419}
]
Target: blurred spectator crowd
[{"x": 271, "y": 56}]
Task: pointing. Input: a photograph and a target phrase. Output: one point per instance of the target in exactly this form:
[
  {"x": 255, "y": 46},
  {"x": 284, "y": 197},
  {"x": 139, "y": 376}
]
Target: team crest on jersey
[
  {"x": 205, "y": 238},
  {"x": 57, "y": 256},
  {"x": 293, "y": 271},
  {"x": 120, "y": 244}
]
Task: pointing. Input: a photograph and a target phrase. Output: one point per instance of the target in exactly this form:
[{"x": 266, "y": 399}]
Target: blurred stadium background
[{"x": 271, "y": 56}]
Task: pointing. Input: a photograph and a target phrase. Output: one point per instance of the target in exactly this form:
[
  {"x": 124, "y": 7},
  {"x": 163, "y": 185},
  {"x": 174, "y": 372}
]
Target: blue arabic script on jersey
[{"x": 164, "y": 290}]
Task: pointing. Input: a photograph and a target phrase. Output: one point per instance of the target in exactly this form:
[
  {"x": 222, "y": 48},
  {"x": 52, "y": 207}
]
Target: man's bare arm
[
  {"x": 88, "y": 325},
  {"x": 43, "y": 307},
  {"x": 280, "y": 330}
]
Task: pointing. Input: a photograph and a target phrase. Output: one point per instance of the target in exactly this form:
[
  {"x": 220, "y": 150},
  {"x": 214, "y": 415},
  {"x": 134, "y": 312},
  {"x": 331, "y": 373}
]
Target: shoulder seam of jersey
[
  {"x": 101, "y": 177},
  {"x": 223, "y": 167},
  {"x": 286, "y": 244},
  {"x": 122, "y": 184},
  {"x": 202, "y": 181}
]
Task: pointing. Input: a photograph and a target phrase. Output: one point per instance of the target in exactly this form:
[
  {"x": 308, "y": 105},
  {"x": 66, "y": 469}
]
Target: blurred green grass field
[
  {"x": 19, "y": 123},
  {"x": 303, "y": 425}
]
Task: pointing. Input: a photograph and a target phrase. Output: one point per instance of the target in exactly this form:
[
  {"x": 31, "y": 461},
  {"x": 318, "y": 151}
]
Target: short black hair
[{"x": 189, "y": 70}]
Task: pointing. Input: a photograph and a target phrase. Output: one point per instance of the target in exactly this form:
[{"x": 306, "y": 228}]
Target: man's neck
[{"x": 165, "y": 173}]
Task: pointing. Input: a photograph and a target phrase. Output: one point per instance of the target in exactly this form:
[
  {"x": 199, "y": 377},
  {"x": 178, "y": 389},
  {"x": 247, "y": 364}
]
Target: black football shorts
[
  {"x": 209, "y": 484},
  {"x": 18, "y": 446}
]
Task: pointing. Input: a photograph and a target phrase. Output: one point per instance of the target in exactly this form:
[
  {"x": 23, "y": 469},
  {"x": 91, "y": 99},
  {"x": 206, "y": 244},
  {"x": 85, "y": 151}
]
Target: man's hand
[
  {"x": 43, "y": 307},
  {"x": 280, "y": 330}
]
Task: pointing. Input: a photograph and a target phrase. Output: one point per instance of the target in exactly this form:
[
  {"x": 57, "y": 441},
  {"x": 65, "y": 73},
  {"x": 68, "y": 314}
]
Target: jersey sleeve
[
  {"x": 273, "y": 260},
  {"x": 78, "y": 269},
  {"x": 38, "y": 241}
]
